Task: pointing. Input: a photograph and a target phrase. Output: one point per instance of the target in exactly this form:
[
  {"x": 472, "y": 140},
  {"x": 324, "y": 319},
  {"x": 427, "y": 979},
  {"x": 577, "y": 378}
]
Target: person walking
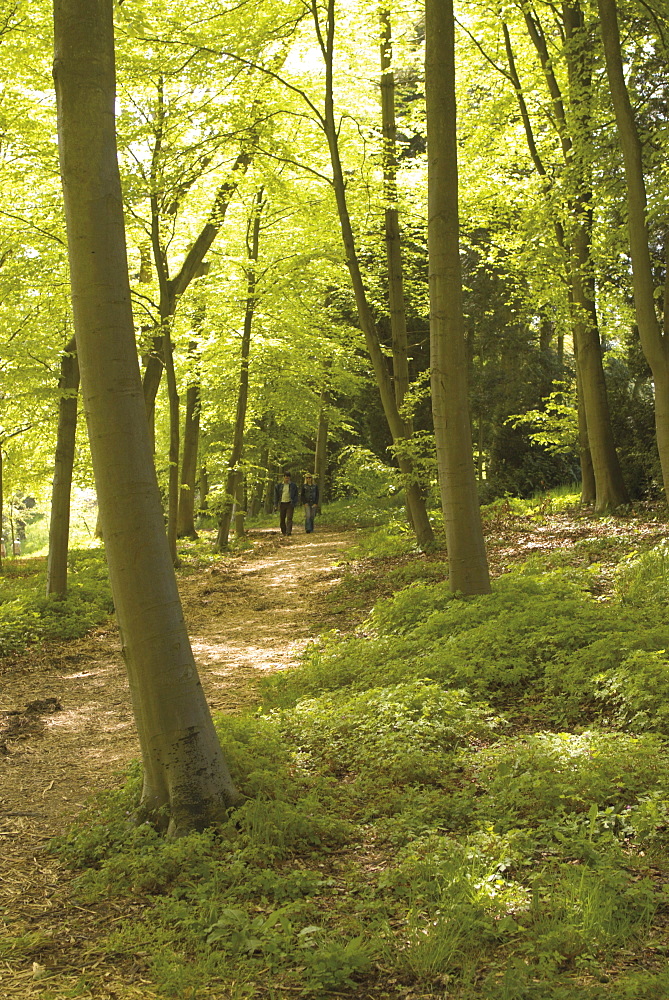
[
  {"x": 285, "y": 501},
  {"x": 309, "y": 500}
]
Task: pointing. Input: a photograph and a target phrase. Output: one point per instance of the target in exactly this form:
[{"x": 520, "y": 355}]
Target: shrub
[
  {"x": 27, "y": 616},
  {"x": 636, "y": 694},
  {"x": 643, "y": 578}
]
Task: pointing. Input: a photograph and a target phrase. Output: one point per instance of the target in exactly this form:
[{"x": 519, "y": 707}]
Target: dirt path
[{"x": 246, "y": 616}]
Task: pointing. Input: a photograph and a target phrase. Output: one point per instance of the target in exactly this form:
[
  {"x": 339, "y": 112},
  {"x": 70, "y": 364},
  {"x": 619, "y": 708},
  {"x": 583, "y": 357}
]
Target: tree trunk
[
  {"x": 170, "y": 291},
  {"x": 269, "y": 494},
  {"x": 588, "y": 490},
  {"x": 261, "y": 479},
  {"x": 59, "y": 524},
  {"x": 419, "y": 518},
  {"x": 173, "y": 473},
  {"x": 153, "y": 373},
  {"x": 609, "y": 485},
  {"x": 654, "y": 339},
  {"x": 204, "y": 488},
  {"x": 321, "y": 455},
  {"x": 240, "y": 509},
  {"x": 2, "y": 504},
  {"x": 468, "y": 565},
  {"x": 184, "y": 771},
  {"x": 398, "y": 324},
  {"x": 186, "y": 515},
  {"x": 234, "y": 472},
  {"x": 601, "y": 478}
]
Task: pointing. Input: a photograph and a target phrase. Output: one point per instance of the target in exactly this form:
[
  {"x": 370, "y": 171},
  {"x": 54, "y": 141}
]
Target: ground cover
[{"x": 446, "y": 797}]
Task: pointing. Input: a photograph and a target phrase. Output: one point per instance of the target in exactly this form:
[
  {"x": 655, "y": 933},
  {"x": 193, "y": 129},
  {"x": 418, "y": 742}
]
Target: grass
[{"x": 464, "y": 798}]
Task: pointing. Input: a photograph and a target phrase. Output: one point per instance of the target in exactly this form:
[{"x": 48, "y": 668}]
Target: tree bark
[
  {"x": 321, "y": 454},
  {"x": 654, "y": 338},
  {"x": 59, "y": 524},
  {"x": 240, "y": 509},
  {"x": 186, "y": 515},
  {"x": 184, "y": 770},
  {"x": 468, "y": 564}
]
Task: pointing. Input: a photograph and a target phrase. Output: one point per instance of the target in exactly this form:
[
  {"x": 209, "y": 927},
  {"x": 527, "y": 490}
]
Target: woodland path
[{"x": 246, "y": 615}]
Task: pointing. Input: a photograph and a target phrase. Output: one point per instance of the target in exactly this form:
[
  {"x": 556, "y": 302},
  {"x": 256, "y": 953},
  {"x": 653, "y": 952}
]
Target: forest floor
[{"x": 66, "y": 727}]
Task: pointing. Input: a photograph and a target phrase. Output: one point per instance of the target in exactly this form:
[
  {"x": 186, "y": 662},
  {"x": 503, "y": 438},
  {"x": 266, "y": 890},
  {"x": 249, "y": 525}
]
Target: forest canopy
[{"x": 216, "y": 104}]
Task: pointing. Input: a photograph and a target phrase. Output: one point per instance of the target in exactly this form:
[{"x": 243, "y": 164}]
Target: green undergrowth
[
  {"x": 467, "y": 798},
  {"x": 28, "y": 616}
]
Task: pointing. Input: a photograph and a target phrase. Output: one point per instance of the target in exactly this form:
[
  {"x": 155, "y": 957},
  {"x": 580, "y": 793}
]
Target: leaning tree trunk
[
  {"x": 467, "y": 561},
  {"x": 601, "y": 477},
  {"x": 654, "y": 338},
  {"x": 185, "y": 774},
  {"x": 418, "y": 512},
  {"x": 59, "y": 524}
]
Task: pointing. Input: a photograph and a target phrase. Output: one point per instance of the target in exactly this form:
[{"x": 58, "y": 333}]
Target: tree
[
  {"x": 234, "y": 477},
  {"x": 325, "y": 33},
  {"x": 59, "y": 523},
  {"x": 571, "y": 209},
  {"x": 467, "y": 561},
  {"x": 185, "y": 774},
  {"x": 654, "y": 335}
]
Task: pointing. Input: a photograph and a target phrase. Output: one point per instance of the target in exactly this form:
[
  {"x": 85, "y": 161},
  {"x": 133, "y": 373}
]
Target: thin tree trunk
[
  {"x": 588, "y": 488},
  {"x": 234, "y": 472},
  {"x": 240, "y": 509},
  {"x": 184, "y": 770},
  {"x": 609, "y": 483},
  {"x": 186, "y": 515},
  {"x": 321, "y": 455},
  {"x": 2, "y": 503},
  {"x": 416, "y": 509},
  {"x": 422, "y": 526},
  {"x": 468, "y": 564},
  {"x": 153, "y": 373},
  {"x": 204, "y": 488},
  {"x": 59, "y": 524},
  {"x": 654, "y": 338},
  {"x": 170, "y": 291},
  {"x": 601, "y": 476},
  {"x": 261, "y": 478}
]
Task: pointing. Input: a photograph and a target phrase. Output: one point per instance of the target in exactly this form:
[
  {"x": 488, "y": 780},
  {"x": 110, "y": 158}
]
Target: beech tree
[
  {"x": 234, "y": 477},
  {"x": 653, "y": 331},
  {"x": 390, "y": 394},
  {"x": 185, "y": 774},
  {"x": 467, "y": 560}
]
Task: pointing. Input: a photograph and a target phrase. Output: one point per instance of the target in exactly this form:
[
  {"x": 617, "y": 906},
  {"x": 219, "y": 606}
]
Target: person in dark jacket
[
  {"x": 285, "y": 501},
  {"x": 309, "y": 500}
]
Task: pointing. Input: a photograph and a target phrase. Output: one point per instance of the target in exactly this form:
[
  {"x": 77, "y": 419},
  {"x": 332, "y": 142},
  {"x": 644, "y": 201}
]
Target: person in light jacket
[
  {"x": 309, "y": 500},
  {"x": 285, "y": 501}
]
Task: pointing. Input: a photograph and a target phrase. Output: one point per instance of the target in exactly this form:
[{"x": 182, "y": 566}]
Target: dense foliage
[{"x": 464, "y": 794}]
